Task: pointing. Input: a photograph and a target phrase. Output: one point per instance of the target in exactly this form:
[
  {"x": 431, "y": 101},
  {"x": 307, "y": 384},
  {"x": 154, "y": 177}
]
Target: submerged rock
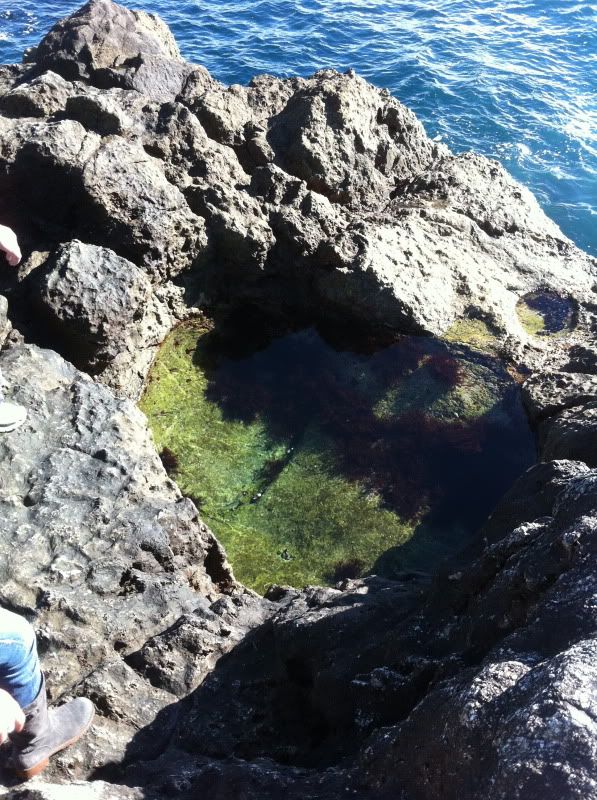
[
  {"x": 481, "y": 685},
  {"x": 326, "y": 471},
  {"x": 142, "y": 188}
]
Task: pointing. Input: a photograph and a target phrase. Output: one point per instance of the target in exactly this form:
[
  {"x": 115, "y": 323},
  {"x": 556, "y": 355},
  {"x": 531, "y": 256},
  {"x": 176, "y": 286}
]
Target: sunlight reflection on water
[{"x": 512, "y": 79}]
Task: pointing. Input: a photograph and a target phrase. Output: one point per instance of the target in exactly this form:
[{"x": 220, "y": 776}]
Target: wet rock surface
[{"x": 142, "y": 189}]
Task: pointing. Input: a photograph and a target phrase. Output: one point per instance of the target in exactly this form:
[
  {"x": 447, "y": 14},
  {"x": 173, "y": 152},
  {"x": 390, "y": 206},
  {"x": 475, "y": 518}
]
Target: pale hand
[
  {"x": 9, "y": 245},
  {"x": 11, "y": 716}
]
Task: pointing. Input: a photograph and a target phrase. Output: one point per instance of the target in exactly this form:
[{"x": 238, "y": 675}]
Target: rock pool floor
[{"x": 313, "y": 463}]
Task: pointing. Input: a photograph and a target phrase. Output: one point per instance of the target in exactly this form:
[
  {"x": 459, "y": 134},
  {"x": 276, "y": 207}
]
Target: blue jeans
[{"x": 20, "y": 673}]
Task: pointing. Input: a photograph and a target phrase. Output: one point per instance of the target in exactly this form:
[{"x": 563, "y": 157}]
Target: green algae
[
  {"x": 304, "y": 460},
  {"x": 472, "y": 332},
  {"x": 546, "y": 313},
  {"x": 531, "y": 320},
  {"x": 475, "y": 394},
  {"x": 221, "y": 458},
  {"x": 307, "y": 523},
  {"x": 294, "y": 530}
]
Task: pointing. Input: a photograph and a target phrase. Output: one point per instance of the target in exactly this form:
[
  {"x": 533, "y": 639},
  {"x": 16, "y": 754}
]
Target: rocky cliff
[{"x": 143, "y": 190}]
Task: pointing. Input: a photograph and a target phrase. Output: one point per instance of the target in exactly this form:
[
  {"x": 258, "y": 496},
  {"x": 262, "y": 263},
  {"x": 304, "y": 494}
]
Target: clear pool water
[{"x": 317, "y": 455}]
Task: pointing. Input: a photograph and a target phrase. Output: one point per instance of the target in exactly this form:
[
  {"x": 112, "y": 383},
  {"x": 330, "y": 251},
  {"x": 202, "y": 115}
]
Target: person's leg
[
  {"x": 12, "y": 416},
  {"x": 20, "y": 673},
  {"x": 46, "y": 731}
]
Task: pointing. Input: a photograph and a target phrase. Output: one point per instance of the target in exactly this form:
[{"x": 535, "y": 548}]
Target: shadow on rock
[
  {"x": 346, "y": 688},
  {"x": 282, "y": 706}
]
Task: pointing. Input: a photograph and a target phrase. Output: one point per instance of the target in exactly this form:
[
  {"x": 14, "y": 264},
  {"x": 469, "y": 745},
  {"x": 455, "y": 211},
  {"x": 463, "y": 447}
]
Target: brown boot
[{"x": 46, "y": 731}]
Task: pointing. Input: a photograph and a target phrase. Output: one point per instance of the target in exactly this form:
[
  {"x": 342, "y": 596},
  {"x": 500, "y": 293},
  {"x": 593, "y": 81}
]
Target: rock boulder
[{"x": 112, "y": 46}]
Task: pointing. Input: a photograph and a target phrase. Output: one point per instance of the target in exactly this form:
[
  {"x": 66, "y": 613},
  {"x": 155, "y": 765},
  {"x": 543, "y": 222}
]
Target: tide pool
[{"x": 313, "y": 462}]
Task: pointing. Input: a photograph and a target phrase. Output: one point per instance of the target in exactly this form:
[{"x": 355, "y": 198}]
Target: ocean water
[{"x": 512, "y": 79}]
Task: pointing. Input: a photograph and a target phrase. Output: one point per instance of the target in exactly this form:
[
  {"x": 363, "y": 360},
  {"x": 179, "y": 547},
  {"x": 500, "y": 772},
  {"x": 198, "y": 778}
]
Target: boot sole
[
  {"x": 11, "y": 428},
  {"x": 26, "y": 774}
]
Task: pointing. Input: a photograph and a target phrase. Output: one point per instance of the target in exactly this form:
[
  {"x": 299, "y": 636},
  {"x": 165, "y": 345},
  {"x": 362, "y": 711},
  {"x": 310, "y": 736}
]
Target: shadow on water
[
  {"x": 553, "y": 312},
  {"x": 435, "y": 431}
]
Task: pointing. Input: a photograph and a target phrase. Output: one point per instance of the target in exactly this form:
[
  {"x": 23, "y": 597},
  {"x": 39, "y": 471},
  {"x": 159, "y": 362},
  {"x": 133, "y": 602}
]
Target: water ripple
[{"x": 513, "y": 79}]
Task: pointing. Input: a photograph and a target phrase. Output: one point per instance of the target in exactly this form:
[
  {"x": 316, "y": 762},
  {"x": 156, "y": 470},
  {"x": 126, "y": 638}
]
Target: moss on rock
[{"x": 473, "y": 333}]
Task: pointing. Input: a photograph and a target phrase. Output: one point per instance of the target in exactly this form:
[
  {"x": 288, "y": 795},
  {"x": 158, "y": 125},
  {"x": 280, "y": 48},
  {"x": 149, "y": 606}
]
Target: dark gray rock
[
  {"x": 583, "y": 358},
  {"x": 325, "y": 183},
  {"x": 41, "y": 97},
  {"x": 114, "y": 554},
  {"x": 112, "y": 46},
  {"x": 93, "y": 296},
  {"x": 43, "y": 166},
  {"x": 222, "y": 111},
  {"x": 11, "y": 74},
  {"x": 103, "y": 311},
  {"x": 238, "y": 116},
  {"x": 572, "y": 434},
  {"x": 187, "y": 776},
  {"x": 481, "y": 686},
  {"x": 140, "y": 214},
  {"x": 180, "y": 658},
  {"x": 107, "y": 191},
  {"x": 531, "y": 497},
  {"x": 548, "y": 393},
  {"x": 108, "y": 112},
  {"x": 522, "y": 731},
  {"x": 504, "y": 207},
  {"x": 347, "y": 140}
]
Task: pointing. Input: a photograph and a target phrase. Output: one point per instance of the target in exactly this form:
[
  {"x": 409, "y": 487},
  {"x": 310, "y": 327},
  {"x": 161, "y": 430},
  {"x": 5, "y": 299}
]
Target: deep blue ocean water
[{"x": 512, "y": 79}]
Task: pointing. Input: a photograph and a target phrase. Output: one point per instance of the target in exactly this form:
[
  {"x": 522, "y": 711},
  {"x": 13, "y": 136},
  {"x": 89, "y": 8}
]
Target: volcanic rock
[
  {"x": 112, "y": 46},
  {"x": 41, "y": 97},
  {"x": 583, "y": 358},
  {"x": 572, "y": 434},
  {"x": 480, "y": 686},
  {"x": 142, "y": 216},
  {"x": 143, "y": 191},
  {"x": 347, "y": 140},
  {"x": 375, "y": 221},
  {"x": 549, "y": 392},
  {"x": 103, "y": 310},
  {"x": 114, "y": 553}
]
